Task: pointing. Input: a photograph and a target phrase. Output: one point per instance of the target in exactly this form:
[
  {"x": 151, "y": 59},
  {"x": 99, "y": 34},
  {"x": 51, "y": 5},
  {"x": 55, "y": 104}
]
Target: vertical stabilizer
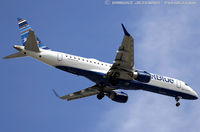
[{"x": 24, "y": 29}]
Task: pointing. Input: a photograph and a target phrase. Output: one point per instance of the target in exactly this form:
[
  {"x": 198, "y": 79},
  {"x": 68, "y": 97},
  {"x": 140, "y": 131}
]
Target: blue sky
[{"x": 167, "y": 42}]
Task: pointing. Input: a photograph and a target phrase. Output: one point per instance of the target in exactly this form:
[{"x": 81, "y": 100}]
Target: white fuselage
[{"x": 92, "y": 69}]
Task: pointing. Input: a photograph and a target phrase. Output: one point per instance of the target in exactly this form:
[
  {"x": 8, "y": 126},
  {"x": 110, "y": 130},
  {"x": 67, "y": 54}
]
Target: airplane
[{"x": 108, "y": 78}]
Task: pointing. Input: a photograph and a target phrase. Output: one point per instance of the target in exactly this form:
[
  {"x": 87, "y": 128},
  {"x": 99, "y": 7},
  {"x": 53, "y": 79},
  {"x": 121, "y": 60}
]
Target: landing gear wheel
[
  {"x": 177, "y": 104},
  {"x": 100, "y": 96},
  {"x": 177, "y": 101}
]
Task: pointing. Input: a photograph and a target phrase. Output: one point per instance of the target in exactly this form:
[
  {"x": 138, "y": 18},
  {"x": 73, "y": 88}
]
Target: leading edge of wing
[{"x": 79, "y": 94}]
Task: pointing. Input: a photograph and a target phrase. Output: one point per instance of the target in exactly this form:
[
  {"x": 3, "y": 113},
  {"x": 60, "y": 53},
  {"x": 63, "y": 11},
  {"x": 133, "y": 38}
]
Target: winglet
[
  {"x": 125, "y": 32},
  {"x": 56, "y": 93}
]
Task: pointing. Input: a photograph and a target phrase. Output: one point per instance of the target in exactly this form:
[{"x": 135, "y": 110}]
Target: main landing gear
[
  {"x": 177, "y": 101},
  {"x": 100, "y": 96}
]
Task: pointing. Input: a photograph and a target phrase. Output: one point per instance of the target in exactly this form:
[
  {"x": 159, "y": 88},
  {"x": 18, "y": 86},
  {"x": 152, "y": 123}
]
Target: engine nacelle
[
  {"x": 118, "y": 96},
  {"x": 142, "y": 76}
]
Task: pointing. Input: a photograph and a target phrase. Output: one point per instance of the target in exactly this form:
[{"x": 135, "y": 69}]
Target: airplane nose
[{"x": 195, "y": 95}]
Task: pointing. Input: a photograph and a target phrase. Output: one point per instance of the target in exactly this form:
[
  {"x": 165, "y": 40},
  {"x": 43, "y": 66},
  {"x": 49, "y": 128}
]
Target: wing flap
[
  {"x": 125, "y": 54},
  {"x": 124, "y": 61},
  {"x": 82, "y": 93}
]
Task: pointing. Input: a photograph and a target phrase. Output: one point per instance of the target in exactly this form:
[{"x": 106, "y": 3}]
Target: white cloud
[
  {"x": 167, "y": 47},
  {"x": 149, "y": 112}
]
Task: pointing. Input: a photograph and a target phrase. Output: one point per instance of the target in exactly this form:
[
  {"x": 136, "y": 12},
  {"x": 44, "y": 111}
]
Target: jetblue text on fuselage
[{"x": 162, "y": 78}]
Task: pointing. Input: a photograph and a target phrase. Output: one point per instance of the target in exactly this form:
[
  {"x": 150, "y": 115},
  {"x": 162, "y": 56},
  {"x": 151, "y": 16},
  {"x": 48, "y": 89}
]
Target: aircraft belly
[
  {"x": 167, "y": 91},
  {"x": 91, "y": 75},
  {"x": 136, "y": 85}
]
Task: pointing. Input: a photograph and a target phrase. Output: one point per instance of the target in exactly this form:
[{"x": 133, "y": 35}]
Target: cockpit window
[{"x": 186, "y": 84}]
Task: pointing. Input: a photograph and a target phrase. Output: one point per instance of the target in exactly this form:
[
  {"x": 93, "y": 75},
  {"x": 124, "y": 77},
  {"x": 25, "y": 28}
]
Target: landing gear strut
[
  {"x": 113, "y": 78},
  {"x": 177, "y": 101},
  {"x": 100, "y": 96}
]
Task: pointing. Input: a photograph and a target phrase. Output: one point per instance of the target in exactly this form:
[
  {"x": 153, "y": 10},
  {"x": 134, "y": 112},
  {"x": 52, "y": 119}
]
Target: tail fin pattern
[{"x": 24, "y": 28}]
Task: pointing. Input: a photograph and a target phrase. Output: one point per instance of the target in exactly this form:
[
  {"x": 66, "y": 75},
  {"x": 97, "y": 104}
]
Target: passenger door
[
  {"x": 178, "y": 84},
  {"x": 59, "y": 57}
]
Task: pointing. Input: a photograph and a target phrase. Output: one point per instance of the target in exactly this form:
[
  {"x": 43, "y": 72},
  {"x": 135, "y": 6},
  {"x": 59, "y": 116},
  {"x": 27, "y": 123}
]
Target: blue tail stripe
[
  {"x": 45, "y": 48},
  {"x": 22, "y": 24},
  {"x": 24, "y": 28}
]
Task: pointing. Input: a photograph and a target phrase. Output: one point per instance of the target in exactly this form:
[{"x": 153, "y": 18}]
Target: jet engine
[
  {"x": 118, "y": 96},
  {"x": 142, "y": 76}
]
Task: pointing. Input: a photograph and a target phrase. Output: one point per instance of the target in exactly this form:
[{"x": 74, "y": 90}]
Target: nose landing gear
[{"x": 177, "y": 101}]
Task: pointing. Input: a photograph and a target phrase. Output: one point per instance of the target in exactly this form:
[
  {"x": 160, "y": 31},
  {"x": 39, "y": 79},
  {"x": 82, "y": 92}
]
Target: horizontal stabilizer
[
  {"x": 31, "y": 42},
  {"x": 15, "y": 55}
]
